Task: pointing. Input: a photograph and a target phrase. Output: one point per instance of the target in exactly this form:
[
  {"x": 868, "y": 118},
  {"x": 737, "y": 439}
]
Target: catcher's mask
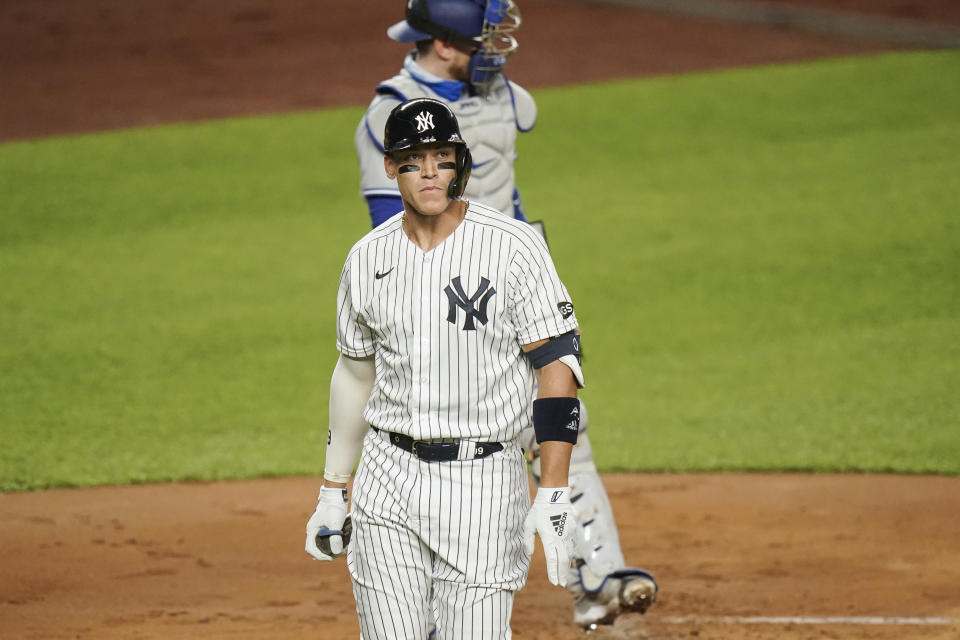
[
  {"x": 425, "y": 121},
  {"x": 485, "y": 27}
]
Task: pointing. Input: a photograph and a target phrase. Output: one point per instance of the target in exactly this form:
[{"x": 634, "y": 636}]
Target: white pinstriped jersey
[{"x": 446, "y": 326}]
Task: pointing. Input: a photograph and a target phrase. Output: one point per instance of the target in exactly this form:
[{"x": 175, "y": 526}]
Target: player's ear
[
  {"x": 443, "y": 50},
  {"x": 389, "y": 166}
]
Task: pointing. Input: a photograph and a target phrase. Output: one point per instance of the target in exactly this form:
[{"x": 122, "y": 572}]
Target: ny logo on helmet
[
  {"x": 475, "y": 305},
  {"x": 424, "y": 121}
]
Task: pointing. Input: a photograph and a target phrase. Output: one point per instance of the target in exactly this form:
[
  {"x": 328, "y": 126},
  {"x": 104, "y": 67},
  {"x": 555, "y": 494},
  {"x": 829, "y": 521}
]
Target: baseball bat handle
[{"x": 323, "y": 536}]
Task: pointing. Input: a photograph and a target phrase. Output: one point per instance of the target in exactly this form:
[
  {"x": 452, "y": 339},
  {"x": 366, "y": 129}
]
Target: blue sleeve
[
  {"x": 518, "y": 212},
  {"x": 383, "y": 207}
]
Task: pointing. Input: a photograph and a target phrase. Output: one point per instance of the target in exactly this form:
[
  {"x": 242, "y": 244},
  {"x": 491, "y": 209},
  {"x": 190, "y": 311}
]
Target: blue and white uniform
[{"x": 488, "y": 125}]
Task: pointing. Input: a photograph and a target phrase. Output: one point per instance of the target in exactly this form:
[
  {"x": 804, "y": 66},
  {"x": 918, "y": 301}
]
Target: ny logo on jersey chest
[{"x": 475, "y": 305}]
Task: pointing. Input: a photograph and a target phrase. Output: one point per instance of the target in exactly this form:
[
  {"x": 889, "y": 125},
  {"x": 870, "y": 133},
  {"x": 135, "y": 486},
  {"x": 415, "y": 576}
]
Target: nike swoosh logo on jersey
[{"x": 379, "y": 275}]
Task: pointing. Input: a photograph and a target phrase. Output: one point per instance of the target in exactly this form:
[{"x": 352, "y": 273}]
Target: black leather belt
[{"x": 439, "y": 451}]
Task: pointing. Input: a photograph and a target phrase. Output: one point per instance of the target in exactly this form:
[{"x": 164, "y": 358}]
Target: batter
[
  {"x": 462, "y": 47},
  {"x": 448, "y": 315}
]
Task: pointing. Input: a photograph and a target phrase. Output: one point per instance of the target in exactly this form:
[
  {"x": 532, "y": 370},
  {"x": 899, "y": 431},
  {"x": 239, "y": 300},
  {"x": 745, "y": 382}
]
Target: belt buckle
[
  {"x": 434, "y": 451},
  {"x": 424, "y": 451}
]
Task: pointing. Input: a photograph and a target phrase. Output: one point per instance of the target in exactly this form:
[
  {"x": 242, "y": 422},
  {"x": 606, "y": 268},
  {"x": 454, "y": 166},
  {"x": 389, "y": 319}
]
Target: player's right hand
[
  {"x": 327, "y": 521},
  {"x": 552, "y": 517}
]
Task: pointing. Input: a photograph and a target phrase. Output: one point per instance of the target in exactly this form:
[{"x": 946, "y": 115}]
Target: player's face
[
  {"x": 423, "y": 175},
  {"x": 460, "y": 63}
]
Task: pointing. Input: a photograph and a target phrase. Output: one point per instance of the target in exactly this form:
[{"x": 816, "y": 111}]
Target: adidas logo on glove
[{"x": 559, "y": 523}]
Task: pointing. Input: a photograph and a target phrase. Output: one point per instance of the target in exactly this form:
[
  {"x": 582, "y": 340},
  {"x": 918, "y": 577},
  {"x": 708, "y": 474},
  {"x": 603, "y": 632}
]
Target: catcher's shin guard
[
  {"x": 597, "y": 542},
  {"x": 601, "y": 583},
  {"x": 596, "y": 539}
]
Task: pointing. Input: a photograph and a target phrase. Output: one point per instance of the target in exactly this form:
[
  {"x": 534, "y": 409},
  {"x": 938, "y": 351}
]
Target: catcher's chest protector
[{"x": 489, "y": 126}]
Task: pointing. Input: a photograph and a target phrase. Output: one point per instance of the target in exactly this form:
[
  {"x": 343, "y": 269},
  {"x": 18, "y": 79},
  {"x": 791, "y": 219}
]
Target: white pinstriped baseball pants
[{"x": 450, "y": 529}]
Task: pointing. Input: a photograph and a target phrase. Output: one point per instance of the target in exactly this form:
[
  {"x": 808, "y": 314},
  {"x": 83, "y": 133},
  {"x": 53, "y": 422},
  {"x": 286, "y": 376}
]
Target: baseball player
[
  {"x": 447, "y": 315},
  {"x": 462, "y": 47}
]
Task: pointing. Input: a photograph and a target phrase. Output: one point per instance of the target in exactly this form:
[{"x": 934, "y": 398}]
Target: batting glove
[
  {"x": 552, "y": 517},
  {"x": 328, "y": 529}
]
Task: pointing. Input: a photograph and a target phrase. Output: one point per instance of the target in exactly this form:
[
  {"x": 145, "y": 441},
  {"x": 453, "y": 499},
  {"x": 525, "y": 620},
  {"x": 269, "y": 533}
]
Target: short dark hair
[{"x": 424, "y": 47}]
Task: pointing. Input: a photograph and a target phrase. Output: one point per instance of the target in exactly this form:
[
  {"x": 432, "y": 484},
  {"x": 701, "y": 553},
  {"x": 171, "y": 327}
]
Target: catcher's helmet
[
  {"x": 485, "y": 26},
  {"x": 455, "y": 21},
  {"x": 424, "y": 121}
]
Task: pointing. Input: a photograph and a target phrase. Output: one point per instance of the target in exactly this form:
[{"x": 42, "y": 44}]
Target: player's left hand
[
  {"x": 551, "y": 516},
  {"x": 327, "y": 531}
]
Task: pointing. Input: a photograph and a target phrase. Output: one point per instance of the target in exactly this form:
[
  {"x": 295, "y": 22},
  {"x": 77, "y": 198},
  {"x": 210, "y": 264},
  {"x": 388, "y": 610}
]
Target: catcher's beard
[{"x": 460, "y": 69}]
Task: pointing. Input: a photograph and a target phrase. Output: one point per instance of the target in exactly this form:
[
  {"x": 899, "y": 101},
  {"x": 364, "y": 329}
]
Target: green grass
[
  {"x": 168, "y": 310},
  {"x": 765, "y": 265}
]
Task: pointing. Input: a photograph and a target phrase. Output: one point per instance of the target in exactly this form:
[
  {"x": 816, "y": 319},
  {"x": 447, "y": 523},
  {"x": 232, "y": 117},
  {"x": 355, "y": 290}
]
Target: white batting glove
[
  {"x": 330, "y": 524},
  {"x": 552, "y": 517}
]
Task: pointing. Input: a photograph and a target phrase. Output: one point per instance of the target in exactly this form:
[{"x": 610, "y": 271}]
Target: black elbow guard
[
  {"x": 556, "y": 419},
  {"x": 566, "y": 344}
]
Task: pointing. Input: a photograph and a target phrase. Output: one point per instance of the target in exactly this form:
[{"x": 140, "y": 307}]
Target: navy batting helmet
[{"x": 424, "y": 121}]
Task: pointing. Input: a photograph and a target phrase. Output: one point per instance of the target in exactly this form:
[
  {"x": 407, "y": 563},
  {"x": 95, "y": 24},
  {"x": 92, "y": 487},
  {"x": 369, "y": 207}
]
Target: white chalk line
[{"x": 861, "y": 620}]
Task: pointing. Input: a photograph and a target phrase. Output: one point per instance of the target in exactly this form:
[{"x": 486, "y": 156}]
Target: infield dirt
[{"x": 225, "y": 560}]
